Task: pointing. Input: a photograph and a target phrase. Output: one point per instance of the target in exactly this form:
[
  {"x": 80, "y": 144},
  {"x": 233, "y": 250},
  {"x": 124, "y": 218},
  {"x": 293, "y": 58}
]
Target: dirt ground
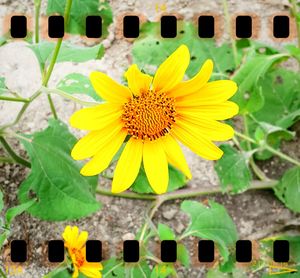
[{"x": 256, "y": 214}]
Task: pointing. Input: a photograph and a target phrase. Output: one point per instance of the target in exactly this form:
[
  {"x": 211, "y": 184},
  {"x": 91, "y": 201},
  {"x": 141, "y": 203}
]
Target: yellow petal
[
  {"x": 156, "y": 165},
  {"x": 104, "y": 155},
  {"x": 95, "y": 118},
  {"x": 137, "y": 81},
  {"x": 212, "y": 93},
  {"x": 196, "y": 83},
  {"x": 68, "y": 235},
  {"x": 199, "y": 145},
  {"x": 90, "y": 271},
  {"x": 210, "y": 129},
  {"x": 128, "y": 165},
  {"x": 172, "y": 70},
  {"x": 81, "y": 240},
  {"x": 221, "y": 111},
  {"x": 108, "y": 89},
  {"x": 90, "y": 144},
  {"x": 75, "y": 273},
  {"x": 175, "y": 155}
]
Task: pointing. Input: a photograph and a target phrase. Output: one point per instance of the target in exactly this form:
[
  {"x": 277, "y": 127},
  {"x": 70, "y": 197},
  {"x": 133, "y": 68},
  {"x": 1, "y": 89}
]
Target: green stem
[
  {"x": 156, "y": 204},
  {"x": 270, "y": 149},
  {"x": 13, "y": 155},
  {"x": 182, "y": 193},
  {"x": 55, "y": 55},
  {"x": 126, "y": 194},
  {"x": 37, "y": 6},
  {"x": 23, "y": 109},
  {"x": 282, "y": 155},
  {"x": 68, "y": 96},
  {"x": 294, "y": 11},
  {"x": 260, "y": 174},
  {"x": 245, "y": 137},
  {"x": 228, "y": 27},
  {"x": 4, "y": 159},
  {"x": 16, "y": 99}
]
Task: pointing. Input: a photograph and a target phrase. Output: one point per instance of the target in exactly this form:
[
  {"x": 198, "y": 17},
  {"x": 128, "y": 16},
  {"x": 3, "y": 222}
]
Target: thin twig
[
  {"x": 54, "y": 57},
  {"x": 182, "y": 193},
  {"x": 12, "y": 153}
]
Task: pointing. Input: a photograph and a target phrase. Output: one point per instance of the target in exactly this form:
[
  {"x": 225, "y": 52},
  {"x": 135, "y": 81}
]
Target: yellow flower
[
  {"x": 156, "y": 113},
  {"x": 75, "y": 244}
]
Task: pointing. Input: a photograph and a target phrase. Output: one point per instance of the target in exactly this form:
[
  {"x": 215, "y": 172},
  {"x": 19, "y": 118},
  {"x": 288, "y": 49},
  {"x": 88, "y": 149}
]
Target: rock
[{"x": 169, "y": 214}]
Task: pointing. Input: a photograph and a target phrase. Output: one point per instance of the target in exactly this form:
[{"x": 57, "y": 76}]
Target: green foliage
[
  {"x": 233, "y": 169},
  {"x": 247, "y": 78},
  {"x": 151, "y": 49},
  {"x": 287, "y": 190},
  {"x": 9, "y": 216},
  {"x": 211, "y": 222},
  {"x": 79, "y": 11},
  {"x": 67, "y": 53},
  {"x": 183, "y": 255},
  {"x": 3, "y": 87},
  {"x": 62, "y": 192},
  {"x": 163, "y": 270},
  {"x": 113, "y": 268},
  {"x": 142, "y": 185},
  {"x": 165, "y": 232},
  {"x": 281, "y": 88},
  {"x": 271, "y": 135},
  {"x": 76, "y": 83}
]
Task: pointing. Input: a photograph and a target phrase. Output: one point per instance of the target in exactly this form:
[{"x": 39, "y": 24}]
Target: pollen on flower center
[
  {"x": 79, "y": 257},
  {"x": 149, "y": 115}
]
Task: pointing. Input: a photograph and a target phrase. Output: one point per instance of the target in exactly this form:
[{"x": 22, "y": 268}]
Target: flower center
[
  {"x": 149, "y": 115},
  {"x": 79, "y": 257}
]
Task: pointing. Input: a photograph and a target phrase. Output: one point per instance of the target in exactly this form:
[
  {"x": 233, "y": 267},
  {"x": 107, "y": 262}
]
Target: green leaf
[
  {"x": 76, "y": 83},
  {"x": 113, "y": 268},
  {"x": 12, "y": 212},
  {"x": 151, "y": 49},
  {"x": 248, "y": 75},
  {"x": 62, "y": 192},
  {"x": 212, "y": 223},
  {"x": 163, "y": 270},
  {"x": 165, "y": 232},
  {"x": 142, "y": 185},
  {"x": 3, "y": 237},
  {"x": 3, "y": 88},
  {"x": 281, "y": 89},
  {"x": 233, "y": 170},
  {"x": 79, "y": 11},
  {"x": 288, "y": 189},
  {"x": 67, "y": 53},
  {"x": 266, "y": 133},
  {"x": 294, "y": 51},
  {"x": 3, "y": 40},
  {"x": 183, "y": 255},
  {"x": 140, "y": 269},
  {"x": 256, "y": 101}
]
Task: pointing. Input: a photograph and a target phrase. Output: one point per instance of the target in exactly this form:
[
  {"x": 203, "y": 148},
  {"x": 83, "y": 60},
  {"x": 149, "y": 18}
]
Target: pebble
[
  {"x": 128, "y": 236},
  {"x": 169, "y": 214}
]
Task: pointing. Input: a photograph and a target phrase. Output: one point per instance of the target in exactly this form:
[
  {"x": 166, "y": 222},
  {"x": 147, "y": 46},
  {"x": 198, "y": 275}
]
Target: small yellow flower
[
  {"x": 75, "y": 244},
  {"x": 156, "y": 112}
]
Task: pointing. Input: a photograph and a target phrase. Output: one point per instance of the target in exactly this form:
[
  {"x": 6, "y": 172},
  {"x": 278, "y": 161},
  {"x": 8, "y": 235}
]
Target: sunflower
[
  {"x": 154, "y": 113},
  {"x": 75, "y": 244}
]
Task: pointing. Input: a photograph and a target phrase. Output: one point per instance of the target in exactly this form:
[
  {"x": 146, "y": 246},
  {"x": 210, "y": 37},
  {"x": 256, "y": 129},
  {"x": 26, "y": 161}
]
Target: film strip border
[
  {"x": 282, "y": 26},
  {"x": 244, "y": 251}
]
